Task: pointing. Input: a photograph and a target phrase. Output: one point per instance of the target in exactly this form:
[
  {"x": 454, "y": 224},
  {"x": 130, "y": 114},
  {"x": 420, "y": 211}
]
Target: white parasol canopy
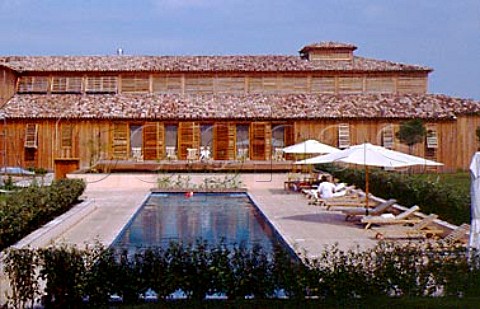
[
  {"x": 370, "y": 155},
  {"x": 475, "y": 201},
  {"x": 310, "y": 146}
]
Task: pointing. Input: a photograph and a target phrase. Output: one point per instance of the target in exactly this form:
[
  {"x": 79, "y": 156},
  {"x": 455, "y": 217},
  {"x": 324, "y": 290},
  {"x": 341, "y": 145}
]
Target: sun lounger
[
  {"x": 400, "y": 219},
  {"x": 421, "y": 229},
  {"x": 354, "y": 211},
  {"x": 457, "y": 235}
]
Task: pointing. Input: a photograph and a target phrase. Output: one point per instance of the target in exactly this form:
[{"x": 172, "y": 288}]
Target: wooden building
[{"x": 153, "y": 108}]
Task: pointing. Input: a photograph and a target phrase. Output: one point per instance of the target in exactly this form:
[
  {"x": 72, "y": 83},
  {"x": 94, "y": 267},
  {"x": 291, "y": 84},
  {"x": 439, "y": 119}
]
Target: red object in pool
[{"x": 188, "y": 194}]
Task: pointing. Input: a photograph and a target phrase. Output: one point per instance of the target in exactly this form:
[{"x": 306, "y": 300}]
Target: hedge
[
  {"x": 25, "y": 210},
  {"x": 75, "y": 277},
  {"x": 431, "y": 196}
]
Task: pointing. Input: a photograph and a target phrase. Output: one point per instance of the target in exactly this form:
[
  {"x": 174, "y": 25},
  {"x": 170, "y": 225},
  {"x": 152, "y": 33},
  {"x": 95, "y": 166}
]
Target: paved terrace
[{"x": 112, "y": 199}]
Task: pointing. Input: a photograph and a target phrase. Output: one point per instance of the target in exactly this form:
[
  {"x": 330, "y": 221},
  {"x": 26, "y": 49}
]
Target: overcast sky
[{"x": 442, "y": 34}]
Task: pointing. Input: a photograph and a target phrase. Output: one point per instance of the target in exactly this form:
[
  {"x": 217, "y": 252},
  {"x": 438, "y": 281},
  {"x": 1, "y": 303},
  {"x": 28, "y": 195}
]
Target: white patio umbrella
[
  {"x": 310, "y": 146},
  {"x": 474, "y": 241},
  {"x": 370, "y": 155}
]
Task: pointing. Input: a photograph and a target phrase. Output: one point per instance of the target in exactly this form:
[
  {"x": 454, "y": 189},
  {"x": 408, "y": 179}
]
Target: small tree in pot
[{"x": 411, "y": 132}]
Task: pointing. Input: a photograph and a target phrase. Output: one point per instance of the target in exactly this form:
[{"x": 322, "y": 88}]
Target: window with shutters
[
  {"x": 66, "y": 132},
  {"x": 153, "y": 141},
  {"x": 198, "y": 84},
  {"x": 31, "y": 136},
  {"x": 261, "y": 140},
  {"x": 101, "y": 84},
  {"x": 343, "y": 136},
  {"x": 293, "y": 84},
  {"x": 388, "y": 137},
  {"x": 33, "y": 84},
  {"x": 242, "y": 141},
  {"x": 431, "y": 146},
  {"x": 350, "y": 85},
  {"x": 264, "y": 84},
  {"x": 63, "y": 84},
  {"x": 188, "y": 137},
  {"x": 120, "y": 141},
  {"x": 224, "y": 145},
  {"x": 29, "y": 156},
  {"x": 232, "y": 84},
  {"x": 380, "y": 85},
  {"x": 167, "y": 84},
  {"x": 135, "y": 84},
  {"x": 324, "y": 84},
  {"x": 432, "y": 139},
  {"x": 409, "y": 84}
]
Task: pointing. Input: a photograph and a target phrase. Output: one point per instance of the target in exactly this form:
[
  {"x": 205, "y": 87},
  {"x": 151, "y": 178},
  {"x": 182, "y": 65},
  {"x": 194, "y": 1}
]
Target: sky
[{"x": 441, "y": 34}]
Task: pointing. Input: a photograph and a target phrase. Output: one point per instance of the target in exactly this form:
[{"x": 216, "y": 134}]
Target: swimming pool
[{"x": 214, "y": 217}]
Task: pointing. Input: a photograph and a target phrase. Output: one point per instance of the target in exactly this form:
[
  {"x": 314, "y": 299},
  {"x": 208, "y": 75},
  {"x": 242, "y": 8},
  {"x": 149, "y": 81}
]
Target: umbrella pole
[{"x": 366, "y": 189}]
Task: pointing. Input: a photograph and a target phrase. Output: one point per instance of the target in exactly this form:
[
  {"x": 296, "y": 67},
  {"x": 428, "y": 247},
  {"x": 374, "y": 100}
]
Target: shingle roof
[
  {"x": 328, "y": 45},
  {"x": 224, "y": 106},
  {"x": 272, "y": 63}
]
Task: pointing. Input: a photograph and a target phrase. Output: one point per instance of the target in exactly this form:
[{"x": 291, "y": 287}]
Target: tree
[{"x": 411, "y": 132}]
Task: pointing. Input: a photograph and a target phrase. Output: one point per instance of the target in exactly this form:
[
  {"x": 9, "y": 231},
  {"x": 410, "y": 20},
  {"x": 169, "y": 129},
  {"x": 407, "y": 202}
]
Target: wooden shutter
[
  {"x": 388, "y": 137},
  {"x": 343, "y": 136},
  {"x": 261, "y": 140},
  {"x": 293, "y": 84},
  {"x": 411, "y": 84},
  {"x": 199, "y": 84},
  {"x": 380, "y": 85},
  {"x": 188, "y": 137},
  {"x": 224, "y": 137},
  {"x": 120, "y": 141},
  {"x": 167, "y": 84},
  {"x": 432, "y": 139},
  {"x": 153, "y": 141},
  {"x": 270, "y": 84},
  {"x": 350, "y": 85},
  {"x": 101, "y": 84},
  {"x": 63, "y": 84},
  {"x": 323, "y": 84},
  {"x": 431, "y": 145},
  {"x": 66, "y": 134},
  {"x": 31, "y": 135},
  {"x": 232, "y": 84},
  {"x": 135, "y": 84}
]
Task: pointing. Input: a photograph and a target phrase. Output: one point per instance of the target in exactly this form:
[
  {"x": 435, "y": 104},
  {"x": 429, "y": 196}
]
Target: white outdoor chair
[{"x": 171, "y": 153}]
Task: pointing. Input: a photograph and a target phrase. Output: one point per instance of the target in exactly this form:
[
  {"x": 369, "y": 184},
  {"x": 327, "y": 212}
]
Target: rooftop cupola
[{"x": 333, "y": 51}]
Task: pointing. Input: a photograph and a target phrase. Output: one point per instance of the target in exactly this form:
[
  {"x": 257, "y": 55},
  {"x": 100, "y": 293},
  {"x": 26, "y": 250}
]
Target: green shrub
[
  {"x": 400, "y": 270},
  {"x": 26, "y": 210}
]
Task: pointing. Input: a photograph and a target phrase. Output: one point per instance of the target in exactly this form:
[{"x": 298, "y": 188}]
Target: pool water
[{"x": 213, "y": 217}]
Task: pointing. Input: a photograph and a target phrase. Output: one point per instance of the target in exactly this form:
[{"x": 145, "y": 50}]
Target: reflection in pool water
[{"x": 212, "y": 217}]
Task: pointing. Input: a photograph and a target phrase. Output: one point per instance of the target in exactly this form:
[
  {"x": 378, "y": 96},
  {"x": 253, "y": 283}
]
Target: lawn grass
[{"x": 460, "y": 181}]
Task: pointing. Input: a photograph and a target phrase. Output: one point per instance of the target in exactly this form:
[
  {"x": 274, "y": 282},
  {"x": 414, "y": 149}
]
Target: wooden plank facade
[
  {"x": 239, "y": 83},
  {"x": 90, "y": 141},
  {"x": 134, "y": 108}
]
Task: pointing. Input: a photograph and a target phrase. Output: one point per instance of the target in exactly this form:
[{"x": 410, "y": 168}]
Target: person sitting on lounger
[{"x": 326, "y": 189}]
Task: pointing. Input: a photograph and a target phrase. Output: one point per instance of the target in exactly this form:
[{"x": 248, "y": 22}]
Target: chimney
[{"x": 332, "y": 51}]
